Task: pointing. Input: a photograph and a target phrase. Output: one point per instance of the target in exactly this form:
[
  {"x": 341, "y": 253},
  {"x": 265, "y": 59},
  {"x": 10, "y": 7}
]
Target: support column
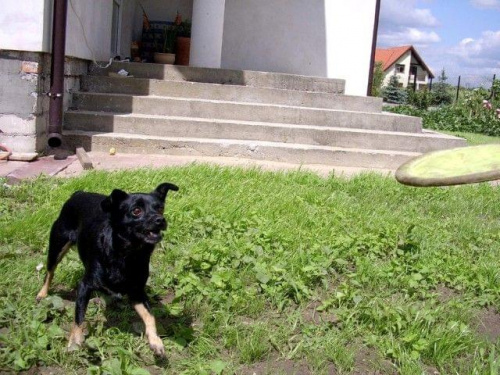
[{"x": 207, "y": 33}]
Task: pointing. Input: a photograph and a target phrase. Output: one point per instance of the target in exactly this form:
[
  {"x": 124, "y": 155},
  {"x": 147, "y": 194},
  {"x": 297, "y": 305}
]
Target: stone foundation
[{"x": 24, "y": 104}]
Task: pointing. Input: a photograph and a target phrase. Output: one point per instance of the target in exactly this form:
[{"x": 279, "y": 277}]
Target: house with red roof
[{"x": 407, "y": 64}]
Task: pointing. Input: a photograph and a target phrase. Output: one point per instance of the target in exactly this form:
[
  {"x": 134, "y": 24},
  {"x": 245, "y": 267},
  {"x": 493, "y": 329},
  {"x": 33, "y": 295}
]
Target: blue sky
[{"x": 461, "y": 36}]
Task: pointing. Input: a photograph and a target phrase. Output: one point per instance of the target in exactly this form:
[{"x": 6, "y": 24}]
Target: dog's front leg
[
  {"x": 76, "y": 336},
  {"x": 155, "y": 342}
]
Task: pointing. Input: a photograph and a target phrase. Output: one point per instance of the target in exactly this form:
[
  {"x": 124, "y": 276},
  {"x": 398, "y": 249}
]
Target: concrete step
[
  {"x": 227, "y": 76},
  {"x": 257, "y": 150},
  {"x": 233, "y": 93},
  {"x": 171, "y": 126},
  {"x": 225, "y": 110}
]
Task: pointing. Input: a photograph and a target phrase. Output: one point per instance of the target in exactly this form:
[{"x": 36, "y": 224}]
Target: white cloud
[
  {"x": 486, "y": 4},
  {"x": 481, "y": 52},
  {"x": 396, "y": 13},
  {"x": 408, "y": 36},
  {"x": 402, "y": 23}
]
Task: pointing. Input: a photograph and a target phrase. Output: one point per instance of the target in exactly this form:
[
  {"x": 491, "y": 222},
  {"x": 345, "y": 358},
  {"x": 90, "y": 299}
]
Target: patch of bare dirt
[
  {"x": 369, "y": 361},
  {"x": 311, "y": 315},
  {"x": 42, "y": 370},
  {"x": 488, "y": 324},
  {"x": 277, "y": 367},
  {"x": 446, "y": 294}
]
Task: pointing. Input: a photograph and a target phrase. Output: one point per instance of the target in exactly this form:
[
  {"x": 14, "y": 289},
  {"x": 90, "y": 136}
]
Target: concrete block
[{"x": 84, "y": 158}]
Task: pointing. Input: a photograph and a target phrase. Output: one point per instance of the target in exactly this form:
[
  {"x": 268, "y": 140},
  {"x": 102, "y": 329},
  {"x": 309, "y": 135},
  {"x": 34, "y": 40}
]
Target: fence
[
  {"x": 467, "y": 82},
  {"x": 470, "y": 82}
]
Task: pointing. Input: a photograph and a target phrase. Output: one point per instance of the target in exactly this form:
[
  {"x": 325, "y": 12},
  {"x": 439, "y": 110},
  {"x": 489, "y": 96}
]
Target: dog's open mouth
[{"x": 153, "y": 236}]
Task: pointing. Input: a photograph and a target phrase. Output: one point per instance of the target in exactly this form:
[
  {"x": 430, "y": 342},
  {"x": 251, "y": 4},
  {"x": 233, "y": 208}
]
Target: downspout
[
  {"x": 374, "y": 47},
  {"x": 54, "y": 138}
]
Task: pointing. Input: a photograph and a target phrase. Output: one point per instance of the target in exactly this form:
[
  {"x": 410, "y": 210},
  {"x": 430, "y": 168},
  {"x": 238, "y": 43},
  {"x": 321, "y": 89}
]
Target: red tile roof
[{"x": 389, "y": 56}]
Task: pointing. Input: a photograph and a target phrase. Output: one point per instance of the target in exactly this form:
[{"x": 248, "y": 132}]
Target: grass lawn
[
  {"x": 473, "y": 138},
  {"x": 269, "y": 273}
]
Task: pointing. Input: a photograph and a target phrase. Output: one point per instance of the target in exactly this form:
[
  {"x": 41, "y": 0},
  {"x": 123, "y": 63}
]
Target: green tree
[
  {"x": 378, "y": 79},
  {"x": 441, "y": 94},
  {"x": 393, "y": 93}
]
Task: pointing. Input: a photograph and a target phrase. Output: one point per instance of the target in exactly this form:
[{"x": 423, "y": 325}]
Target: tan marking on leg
[
  {"x": 45, "y": 288},
  {"x": 64, "y": 251},
  {"x": 76, "y": 337},
  {"x": 155, "y": 342},
  {"x": 50, "y": 274}
]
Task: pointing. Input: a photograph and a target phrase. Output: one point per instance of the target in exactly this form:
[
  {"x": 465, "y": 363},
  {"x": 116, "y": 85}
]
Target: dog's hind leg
[{"x": 59, "y": 244}]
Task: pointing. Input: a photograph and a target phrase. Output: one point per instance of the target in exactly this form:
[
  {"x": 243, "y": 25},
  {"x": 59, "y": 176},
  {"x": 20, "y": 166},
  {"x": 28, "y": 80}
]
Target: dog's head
[{"x": 138, "y": 217}]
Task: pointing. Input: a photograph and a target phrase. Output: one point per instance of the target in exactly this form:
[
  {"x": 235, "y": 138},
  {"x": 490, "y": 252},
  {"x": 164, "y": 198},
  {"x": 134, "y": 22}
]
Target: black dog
[{"x": 116, "y": 236}]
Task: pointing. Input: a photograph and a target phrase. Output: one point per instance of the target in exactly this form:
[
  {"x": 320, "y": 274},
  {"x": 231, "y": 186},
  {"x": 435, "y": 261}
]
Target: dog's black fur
[{"x": 116, "y": 236}]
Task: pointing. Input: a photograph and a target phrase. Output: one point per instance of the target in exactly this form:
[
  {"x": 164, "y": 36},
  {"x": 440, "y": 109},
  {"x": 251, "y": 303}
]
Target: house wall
[
  {"x": 286, "y": 36},
  {"x": 403, "y": 77},
  {"x": 25, "y": 25},
  {"x": 422, "y": 75},
  {"x": 25, "y": 44},
  {"x": 96, "y": 19},
  {"x": 349, "y": 37},
  {"x": 24, "y": 80},
  {"x": 325, "y": 38}
]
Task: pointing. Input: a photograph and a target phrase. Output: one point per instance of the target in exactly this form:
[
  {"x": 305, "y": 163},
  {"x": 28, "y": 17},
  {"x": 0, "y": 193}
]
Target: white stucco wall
[
  {"x": 402, "y": 77},
  {"x": 326, "y": 38},
  {"x": 349, "y": 35},
  {"x": 207, "y": 33},
  {"x": 96, "y": 17},
  {"x": 25, "y": 25},
  {"x": 286, "y": 36}
]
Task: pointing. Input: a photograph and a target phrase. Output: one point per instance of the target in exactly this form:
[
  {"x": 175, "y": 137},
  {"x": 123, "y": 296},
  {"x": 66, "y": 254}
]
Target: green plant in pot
[{"x": 165, "y": 50}]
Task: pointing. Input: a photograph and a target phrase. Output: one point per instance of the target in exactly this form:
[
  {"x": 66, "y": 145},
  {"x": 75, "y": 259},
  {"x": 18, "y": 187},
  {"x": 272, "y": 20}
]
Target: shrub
[
  {"x": 420, "y": 99},
  {"x": 393, "y": 93},
  {"x": 458, "y": 118}
]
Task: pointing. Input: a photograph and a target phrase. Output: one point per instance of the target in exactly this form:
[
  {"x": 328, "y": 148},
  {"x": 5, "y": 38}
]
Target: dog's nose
[{"x": 160, "y": 220}]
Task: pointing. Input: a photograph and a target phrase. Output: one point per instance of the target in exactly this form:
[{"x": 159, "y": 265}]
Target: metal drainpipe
[
  {"x": 374, "y": 47},
  {"x": 57, "y": 73}
]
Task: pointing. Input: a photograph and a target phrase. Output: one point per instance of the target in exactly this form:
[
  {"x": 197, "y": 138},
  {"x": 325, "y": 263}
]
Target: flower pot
[
  {"x": 164, "y": 58},
  {"x": 182, "y": 47}
]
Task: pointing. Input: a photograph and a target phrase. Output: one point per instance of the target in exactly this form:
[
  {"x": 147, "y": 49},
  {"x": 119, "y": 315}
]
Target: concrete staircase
[{"x": 177, "y": 110}]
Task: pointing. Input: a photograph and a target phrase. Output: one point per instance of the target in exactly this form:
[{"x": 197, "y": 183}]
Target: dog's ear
[
  {"x": 162, "y": 190},
  {"x": 114, "y": 199}
]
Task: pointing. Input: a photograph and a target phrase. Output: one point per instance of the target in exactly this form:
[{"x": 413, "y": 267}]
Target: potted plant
[
  {"x": 164, "y": 51},
  {"x": 183, "y": 40}
]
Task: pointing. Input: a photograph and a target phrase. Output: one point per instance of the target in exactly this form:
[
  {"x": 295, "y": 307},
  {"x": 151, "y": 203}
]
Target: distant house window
[{"x": 400, "y": 68}]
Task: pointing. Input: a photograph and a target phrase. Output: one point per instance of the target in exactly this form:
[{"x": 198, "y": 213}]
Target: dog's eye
[{"x": 137, "y": 212}]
